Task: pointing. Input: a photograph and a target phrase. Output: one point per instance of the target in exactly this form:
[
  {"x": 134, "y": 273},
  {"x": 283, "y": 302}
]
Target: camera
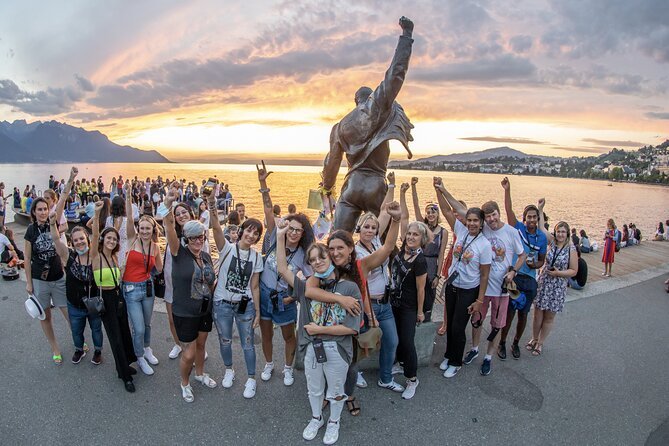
[
  {"x": 452, "y": 277},
  {"x": 319, "y": 351},
  {"x": 209, "y": 186},
  {"x": 241, "y": 307},
  {"x": 274, "y": 298},
  {"x": 395, "y": 297}
]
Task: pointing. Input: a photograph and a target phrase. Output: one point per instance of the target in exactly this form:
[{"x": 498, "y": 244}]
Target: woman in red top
[
  {"x": 609, "y": 247},
  {"x": 142, "y": 257}
]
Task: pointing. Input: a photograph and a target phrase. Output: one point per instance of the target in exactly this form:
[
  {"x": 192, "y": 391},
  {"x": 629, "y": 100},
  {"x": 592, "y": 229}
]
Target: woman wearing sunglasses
[
  {"x": 192, "y": 279},
  {"x": 434, "y": 251},
  {"x": 467, "y": 281}
]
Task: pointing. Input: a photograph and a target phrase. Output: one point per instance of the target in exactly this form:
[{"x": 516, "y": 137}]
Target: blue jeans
[
  {"x": 140, "y": 310},
  {"x": 78, "y": 317},
  {"x": 224, "y": 316},
  {"x": 389, "y": 340}
]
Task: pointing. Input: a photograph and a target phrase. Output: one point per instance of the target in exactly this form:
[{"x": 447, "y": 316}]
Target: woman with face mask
[
  {"x": 327, "y": 324},
  {"x": 434, "y": 251},
  {"x": 561, "y": 264},
  {"x": 142, "y": 256},
  {"x": 44, "y": 269},
  {"x": 237, "y": 295},
  {"x": 79, "y": 283},
  {"x": 107, "y": 276},
  {"x": 192, "y": 278},
  {"x": 342, "y": 250}
]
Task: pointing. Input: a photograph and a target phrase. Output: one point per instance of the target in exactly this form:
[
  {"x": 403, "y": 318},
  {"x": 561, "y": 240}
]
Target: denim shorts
[{"x": 268, "y": 313}]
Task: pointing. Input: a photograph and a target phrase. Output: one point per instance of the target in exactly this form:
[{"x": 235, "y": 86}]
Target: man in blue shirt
[{"x": 534, "y": 244}]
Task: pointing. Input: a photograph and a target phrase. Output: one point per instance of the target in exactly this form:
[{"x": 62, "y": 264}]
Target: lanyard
[
  {"x": 240, "y": 271},
  {"x": 555, "y": 256}
]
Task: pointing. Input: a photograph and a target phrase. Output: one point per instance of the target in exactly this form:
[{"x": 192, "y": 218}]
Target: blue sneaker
[
  {"x": 471, "y": 355},
  {"x": 486, "y": 367}
]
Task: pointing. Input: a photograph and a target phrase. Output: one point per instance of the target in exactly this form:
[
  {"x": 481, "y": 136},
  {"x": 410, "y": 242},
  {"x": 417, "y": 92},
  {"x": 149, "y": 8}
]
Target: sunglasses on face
[{"x": 197, "y": 238}]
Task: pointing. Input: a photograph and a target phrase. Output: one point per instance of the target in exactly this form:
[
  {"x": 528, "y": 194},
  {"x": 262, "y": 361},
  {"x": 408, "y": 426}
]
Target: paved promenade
[{"x": 601, "y": 380}]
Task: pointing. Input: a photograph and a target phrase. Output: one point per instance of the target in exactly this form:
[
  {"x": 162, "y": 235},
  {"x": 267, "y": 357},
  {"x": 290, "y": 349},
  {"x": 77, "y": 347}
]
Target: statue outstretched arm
[
  {"x": 332, "y": 163},
  {"x": 385, "y": 94}
]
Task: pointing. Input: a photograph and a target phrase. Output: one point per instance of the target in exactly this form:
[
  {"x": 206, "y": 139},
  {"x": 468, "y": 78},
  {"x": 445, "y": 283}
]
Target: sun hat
[
  {"x": 34, "y": 308},
  {"x": 513, "y": 290}
]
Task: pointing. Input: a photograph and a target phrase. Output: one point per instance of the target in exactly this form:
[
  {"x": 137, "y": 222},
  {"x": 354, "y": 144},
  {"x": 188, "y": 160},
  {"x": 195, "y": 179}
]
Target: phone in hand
[{"x": 210, "y": 185}]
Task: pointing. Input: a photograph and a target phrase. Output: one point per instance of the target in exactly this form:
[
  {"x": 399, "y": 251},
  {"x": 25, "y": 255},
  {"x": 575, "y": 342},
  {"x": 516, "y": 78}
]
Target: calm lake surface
[{"x": 583, "y": 204}]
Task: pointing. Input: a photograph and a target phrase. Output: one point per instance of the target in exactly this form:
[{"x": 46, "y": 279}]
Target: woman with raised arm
[
  {"x": 142, "y": 256},
  {"x": 118, "y": 219},
  {"x": 327, "y": 326},
  {"x": 192, "y": 278},
  {"x": 434, "y": 251},
  {"x": 561, "y": 264},
  {"x": 343, "y": 254},
  {"x": 44, "y": 269},
  {"x": 467, "y": 281},
  {"x": 237, "y": 295},
  {"x": 276, "y": 305},
  {"x": 79, "y": 283},
  {"x": 107, "y": 276}
]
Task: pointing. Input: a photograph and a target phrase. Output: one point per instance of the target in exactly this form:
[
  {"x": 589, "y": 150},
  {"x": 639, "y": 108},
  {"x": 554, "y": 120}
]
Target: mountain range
[
  {"x": 52, "y": 141},
  {"x": 470, "y": 157}
]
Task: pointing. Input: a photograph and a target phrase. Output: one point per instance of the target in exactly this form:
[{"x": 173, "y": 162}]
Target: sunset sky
[{"x": 243, "y": 79}]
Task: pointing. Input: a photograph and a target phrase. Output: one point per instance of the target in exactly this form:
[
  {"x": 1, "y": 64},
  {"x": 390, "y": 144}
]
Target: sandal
[
  {"x": 536, "y": 351},
  {"x": 57, "y": 359},
  {"x": 353, "y": 407},
  {"x": 530, "y": 345}
]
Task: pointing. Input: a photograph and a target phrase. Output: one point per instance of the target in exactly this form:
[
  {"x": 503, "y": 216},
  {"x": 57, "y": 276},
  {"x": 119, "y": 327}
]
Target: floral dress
[{"x": 552, "y": 291}]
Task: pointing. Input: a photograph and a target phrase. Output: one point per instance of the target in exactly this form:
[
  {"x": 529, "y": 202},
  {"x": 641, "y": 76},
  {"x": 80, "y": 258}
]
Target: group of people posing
[{"x": 330, "y": 300}]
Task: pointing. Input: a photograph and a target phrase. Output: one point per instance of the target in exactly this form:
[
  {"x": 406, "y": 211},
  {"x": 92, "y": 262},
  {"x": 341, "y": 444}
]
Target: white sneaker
[
  {"x": 148, "y": 355},
  {"x": 288, "y": 378},
  {"x": 250, "y": 388},
  {"x": 451, "y": 371},
  {"x": 187, "y": 393},
  {"x": 392, "y": 385},
  {"x": 310, "y": 432},
  {"x": 397, "y": 369},
  {"x": 206, "y": 380},
  {"x": 361, "y": 381},
  {"x": 144, "y": 366},
  {"x": 267, "y": 371},
  {"x": 444, "y": 365},
  {"x": 228, "y": 378},
  {"x": 331, "y": 433},
  {"x": 410, "y": 389},
  {"x": 175, "y": 352}
]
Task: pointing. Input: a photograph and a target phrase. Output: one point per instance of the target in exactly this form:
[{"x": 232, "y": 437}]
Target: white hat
[{"x": 34, "y": 308}]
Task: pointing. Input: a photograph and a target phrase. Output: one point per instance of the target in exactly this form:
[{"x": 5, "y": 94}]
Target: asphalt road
[{"x": 602, "y": 379}]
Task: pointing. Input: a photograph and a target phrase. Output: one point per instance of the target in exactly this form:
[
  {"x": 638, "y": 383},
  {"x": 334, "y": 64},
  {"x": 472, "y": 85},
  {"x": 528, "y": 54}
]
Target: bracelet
[
  {"x": 479, "y": 301},
  {"x": 391, "y": 186},
  {"x": 325, "y": 191},
  {"x": 395, "y": 220},
  {"x": 264, "y": 190}
]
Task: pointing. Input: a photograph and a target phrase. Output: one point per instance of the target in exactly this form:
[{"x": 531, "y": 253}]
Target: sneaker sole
[{"x": 80, "y": 358}]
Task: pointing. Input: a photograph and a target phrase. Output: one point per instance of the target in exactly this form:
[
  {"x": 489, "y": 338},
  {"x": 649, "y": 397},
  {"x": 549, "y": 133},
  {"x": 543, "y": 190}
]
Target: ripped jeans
[
  {"x": 225, "y": 314},
  {"x": 333, "y": 373}
]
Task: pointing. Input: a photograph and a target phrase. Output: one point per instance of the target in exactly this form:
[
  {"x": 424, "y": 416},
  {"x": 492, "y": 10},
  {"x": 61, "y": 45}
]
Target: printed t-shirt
[
  {"x": 404, "y": 275},
  {"x": 234, "y": 278},
  {"x": 327, "y": 315},
  {"x": 190, "y": 283},
  {"x": 504, "y": 243},
  {"x": 477, "y": 252},
  {"x": 378, "y": 277},
  {"x": 295, "y": 258},
  {"x": 78, "y": 279},
  {"x": 45, "y": 262},
  {"x": 534, "y": 245}
]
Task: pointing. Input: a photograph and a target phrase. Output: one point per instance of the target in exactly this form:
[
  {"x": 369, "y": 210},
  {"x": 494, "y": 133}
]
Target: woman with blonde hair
[{"x": 561, "y": 264}]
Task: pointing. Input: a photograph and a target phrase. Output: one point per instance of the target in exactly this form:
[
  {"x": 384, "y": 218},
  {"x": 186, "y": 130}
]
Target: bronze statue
[{"x": 363, "y": 135}]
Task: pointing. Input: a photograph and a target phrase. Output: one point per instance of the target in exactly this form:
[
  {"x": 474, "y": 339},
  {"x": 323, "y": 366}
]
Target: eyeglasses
[
  {"x": 295, "y": 230},
  {"x": 197, "y": 238}
]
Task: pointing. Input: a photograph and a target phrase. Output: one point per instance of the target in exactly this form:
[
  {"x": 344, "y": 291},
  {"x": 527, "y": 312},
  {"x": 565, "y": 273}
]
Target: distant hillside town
[{"x": 646, "y": 165}]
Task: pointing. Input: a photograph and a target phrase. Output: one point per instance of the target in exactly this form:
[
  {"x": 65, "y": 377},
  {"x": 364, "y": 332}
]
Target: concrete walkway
[{"x": 601, "y": 380}]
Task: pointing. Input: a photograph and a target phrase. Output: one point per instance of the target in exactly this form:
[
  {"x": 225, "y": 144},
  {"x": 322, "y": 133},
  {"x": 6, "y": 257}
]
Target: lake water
[{"x": 583, "y": 204}]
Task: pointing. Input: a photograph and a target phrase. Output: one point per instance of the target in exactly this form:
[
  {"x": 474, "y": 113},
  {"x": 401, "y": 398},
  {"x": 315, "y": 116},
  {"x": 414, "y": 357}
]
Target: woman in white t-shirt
[{"x": 237, "y": 296}]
